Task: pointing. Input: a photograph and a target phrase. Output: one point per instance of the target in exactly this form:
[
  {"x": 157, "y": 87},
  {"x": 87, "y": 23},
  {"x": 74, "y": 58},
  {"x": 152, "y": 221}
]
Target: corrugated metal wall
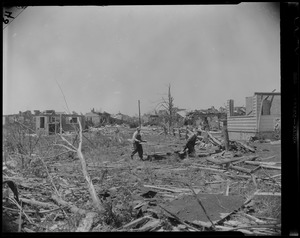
[
  {"x": 241, "y": 126},
  {"x": 242, "y": 123}
]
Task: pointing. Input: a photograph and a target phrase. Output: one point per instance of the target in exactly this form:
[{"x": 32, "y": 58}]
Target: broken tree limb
[
  {"x": 91, "y": 187},
  {"x": 73, "y": 208},
  {"x": 37, "y": 203}
]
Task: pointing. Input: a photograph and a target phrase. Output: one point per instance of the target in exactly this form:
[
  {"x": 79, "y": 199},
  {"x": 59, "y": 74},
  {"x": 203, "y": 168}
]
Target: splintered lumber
[
  {"x": 150, "y": 225},
  {"x": 246, "y": 146},
  {"x": 214, "y": 139},
  {"x": 254, "y": 218},
  {"x": 136, "y": 222},
  {"x": 240, "y": 169},
  {"x": 248, "y": 158}
]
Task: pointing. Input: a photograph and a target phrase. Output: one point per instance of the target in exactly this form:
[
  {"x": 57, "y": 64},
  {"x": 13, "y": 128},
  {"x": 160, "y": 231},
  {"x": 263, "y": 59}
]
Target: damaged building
[
  {"x": 211, "y": 117},
  {"x": 262, "y": 118},
  {"x": 50, "y": 122}
]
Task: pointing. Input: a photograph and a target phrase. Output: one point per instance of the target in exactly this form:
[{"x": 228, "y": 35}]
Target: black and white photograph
[{"x": 133, "y": 118}]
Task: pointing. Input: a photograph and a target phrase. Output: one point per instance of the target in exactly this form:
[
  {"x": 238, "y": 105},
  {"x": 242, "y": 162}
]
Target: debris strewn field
[{"x": 215, "y": 190}]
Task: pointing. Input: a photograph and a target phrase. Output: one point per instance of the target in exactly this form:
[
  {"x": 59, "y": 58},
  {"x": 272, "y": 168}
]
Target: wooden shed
[
  {"x": 51, "y": 122},
  {"x": 262, "y": 118}
]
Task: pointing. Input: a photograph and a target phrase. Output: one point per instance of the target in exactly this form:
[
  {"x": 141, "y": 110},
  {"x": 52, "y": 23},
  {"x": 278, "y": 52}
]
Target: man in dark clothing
[
  {"x": 137, "y": 146},
  {"x": 191, "y": 142}
]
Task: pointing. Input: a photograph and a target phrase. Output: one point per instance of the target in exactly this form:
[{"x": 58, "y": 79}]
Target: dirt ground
[{"x": 134, "y": 189}]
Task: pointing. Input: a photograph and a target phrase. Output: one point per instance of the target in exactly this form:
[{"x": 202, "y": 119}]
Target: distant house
[
  {"x": 50, "y": 122},
  {"x": 120, "y": 118},
  {"x": 262, "y": 117},
  {"x": 94, "y": 118}
]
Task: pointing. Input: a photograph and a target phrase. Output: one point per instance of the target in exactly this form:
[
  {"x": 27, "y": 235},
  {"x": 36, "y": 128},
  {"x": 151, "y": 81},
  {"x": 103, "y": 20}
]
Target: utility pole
[{"x": 139, "y": 114}]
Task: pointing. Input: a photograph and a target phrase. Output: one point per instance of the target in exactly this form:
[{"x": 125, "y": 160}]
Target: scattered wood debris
[{"x": 239, "y": 189}]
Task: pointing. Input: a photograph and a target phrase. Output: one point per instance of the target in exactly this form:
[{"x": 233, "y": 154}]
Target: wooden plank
[
  {"x": 162, "y": 188},
  {"x": 240, "y": 169},
  {"x": 136, "y": 222},
  {"x": 209, "y": 169},
  {"x": 155, "y": 223},
  {"x": 260, "y": 163},
  {"x": 245, "y": 159},
  {"x": 223, "y": 161},
  {"x": 267, "y": 194},
  {"x": 270, "y": 167}
]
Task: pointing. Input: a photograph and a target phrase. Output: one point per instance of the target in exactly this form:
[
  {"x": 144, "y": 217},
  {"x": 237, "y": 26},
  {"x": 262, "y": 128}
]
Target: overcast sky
[{"x": 108, "y": 58}]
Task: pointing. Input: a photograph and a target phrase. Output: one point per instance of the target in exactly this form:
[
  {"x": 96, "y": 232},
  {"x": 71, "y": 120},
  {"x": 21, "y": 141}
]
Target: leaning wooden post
[{"x": 226, "y": 136}]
